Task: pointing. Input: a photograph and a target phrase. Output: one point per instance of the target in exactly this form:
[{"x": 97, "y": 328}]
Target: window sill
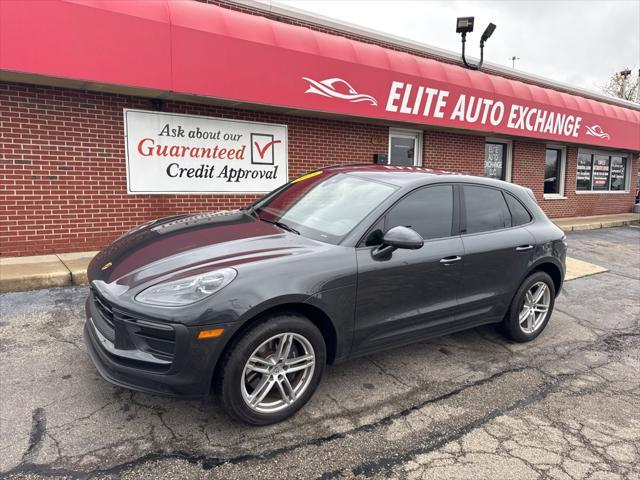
[
  {"x": 602, "y": 192},
  {"x": 553, "y": 196}
]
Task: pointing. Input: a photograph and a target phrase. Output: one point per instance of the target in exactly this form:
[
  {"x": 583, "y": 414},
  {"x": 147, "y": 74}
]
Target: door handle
[
  {"x": 522, "y": 248},
  {"x": 450, "y": 260}
]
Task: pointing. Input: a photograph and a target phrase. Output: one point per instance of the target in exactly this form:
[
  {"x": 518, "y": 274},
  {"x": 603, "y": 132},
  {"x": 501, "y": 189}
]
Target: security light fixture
[
  {"x": 487, "y": 33},
  {"x": 464, "y": 25}
]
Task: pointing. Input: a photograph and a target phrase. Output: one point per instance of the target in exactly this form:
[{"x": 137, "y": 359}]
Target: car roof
[{"x": 411, "y": 176}]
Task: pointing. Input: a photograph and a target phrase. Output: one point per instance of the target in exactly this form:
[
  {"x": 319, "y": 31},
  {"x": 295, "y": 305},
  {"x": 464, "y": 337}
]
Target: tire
[
  {"x": 529, "y": 328},
  {"x": 237, "y": 381}
]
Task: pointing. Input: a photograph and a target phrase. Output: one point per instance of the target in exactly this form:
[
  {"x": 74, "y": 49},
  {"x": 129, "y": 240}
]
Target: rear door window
[{"x": 486, "y": 209}]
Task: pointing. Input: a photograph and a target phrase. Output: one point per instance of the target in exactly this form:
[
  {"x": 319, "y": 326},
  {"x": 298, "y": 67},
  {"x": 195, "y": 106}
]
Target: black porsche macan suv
[{"x": 338, "y": 263}]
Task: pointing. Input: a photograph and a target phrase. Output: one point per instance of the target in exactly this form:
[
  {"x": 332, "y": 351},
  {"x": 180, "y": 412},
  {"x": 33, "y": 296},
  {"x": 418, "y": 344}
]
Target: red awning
[{"x": 199, "y": 49}]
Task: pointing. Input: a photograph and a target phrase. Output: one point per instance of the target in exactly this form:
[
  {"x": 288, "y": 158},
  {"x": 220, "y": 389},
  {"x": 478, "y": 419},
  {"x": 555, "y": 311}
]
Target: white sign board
[{"x": 175, "y": 153}]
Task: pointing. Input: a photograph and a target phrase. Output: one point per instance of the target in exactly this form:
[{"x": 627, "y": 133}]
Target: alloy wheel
[
  {"x": 535, "y": 308},
  {"x": 278, "y": 372}
]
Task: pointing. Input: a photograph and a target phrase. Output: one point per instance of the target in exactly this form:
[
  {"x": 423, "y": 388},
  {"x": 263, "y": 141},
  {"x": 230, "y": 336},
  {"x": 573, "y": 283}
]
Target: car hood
[{"x": 190, "y": 244}]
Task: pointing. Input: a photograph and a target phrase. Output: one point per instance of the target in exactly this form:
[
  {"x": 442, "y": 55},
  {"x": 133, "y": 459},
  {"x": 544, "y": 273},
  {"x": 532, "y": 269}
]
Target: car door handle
[
  {"x": 522, "y": 248},
  {"x": 449, "y": 260}
]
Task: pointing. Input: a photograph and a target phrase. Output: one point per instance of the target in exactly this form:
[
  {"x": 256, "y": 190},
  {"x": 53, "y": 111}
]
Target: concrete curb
[
  {"x": 18, "y": 274},
  {"x": 596, "y": 225}
]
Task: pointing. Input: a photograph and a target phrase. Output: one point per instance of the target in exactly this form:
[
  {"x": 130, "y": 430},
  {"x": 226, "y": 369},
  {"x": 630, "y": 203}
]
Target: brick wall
[
  {"x": 63, "y": 172},
  {"x": 453, "y": 152},
  {"x": 63, "y": 166},
  {"x": 528, "y": 170}
]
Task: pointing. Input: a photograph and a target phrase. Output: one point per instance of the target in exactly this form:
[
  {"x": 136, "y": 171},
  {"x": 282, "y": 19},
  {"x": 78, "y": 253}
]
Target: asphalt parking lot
[{"x": 470, "y": 405}]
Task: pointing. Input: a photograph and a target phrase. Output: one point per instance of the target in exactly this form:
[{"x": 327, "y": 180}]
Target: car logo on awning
[
  {"x": 338, "y": 88},
  {"x": 596, "y": 131}
]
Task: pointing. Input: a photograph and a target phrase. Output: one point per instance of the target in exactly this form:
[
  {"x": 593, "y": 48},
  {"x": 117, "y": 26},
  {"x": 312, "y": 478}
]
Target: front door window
[{"x": 429, "y": 211}]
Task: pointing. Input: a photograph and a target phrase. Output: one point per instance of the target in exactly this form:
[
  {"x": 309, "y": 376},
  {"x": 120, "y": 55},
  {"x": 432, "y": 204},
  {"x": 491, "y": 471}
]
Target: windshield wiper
[
  {"x": 251, "y": 211},
  {"x": 282, "y": 225}
]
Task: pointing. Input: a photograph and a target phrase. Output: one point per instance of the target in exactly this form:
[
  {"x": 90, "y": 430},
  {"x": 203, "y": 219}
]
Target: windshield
[{"x": 321, "y": 206}]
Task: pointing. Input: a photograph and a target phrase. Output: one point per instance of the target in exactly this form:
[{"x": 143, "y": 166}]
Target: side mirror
[{"x": 398, "y": 237}]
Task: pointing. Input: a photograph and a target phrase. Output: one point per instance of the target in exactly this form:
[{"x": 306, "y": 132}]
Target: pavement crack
[
  {"x": 36, "y": 436},
  {"x": 335, "y": 401},
  {"x": 623, "y": 275},
  {"x": 162, "y": 420},
  {"x": 436, "y": 440},
  {"x": 209, "y": 462},
  {"x": 389, "y": 374},
  {"x": 84, "y": 417}
]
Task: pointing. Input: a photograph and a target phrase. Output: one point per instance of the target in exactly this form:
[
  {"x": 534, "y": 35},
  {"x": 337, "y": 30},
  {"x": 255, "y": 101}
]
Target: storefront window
[
  {"x": 553, "y": 172},
  {"x": 405, "y": 148},
  {"x": 495, "y": 160},
  {"x": 600, "y": 172},
  {"x": 583, "y": 176},
  {"x": 618, "y": 173}
]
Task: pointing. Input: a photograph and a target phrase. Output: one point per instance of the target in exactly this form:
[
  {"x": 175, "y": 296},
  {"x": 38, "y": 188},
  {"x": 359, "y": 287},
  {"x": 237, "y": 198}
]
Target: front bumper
[{"x": 153, "y": 357}]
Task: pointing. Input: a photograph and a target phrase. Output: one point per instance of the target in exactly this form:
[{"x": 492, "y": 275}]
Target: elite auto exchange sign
[{"x": 175, "y": 153}]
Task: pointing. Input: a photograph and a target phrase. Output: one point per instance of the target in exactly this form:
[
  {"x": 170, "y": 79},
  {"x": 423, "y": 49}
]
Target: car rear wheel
[
  {"x": 272, "y": 370},
  {"x": 531, "y": 308}
]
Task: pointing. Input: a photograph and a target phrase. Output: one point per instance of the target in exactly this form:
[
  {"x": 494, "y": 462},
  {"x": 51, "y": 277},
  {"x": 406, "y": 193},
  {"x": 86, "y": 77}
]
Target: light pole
[{"x": 513, "y": 61}]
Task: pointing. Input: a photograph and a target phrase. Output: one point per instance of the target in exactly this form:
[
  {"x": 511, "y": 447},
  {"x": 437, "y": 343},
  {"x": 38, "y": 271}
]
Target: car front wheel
[
  {"x": 531, "y": 308},
  {"x": 272, "y": 370}
]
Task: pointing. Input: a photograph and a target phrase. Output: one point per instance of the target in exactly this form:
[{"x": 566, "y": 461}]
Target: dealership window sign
[{"x": 175, "y": 153}]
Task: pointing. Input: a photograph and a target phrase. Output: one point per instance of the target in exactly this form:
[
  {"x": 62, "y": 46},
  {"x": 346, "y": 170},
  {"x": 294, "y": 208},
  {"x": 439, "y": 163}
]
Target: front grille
[
  {"x": 132, "y": 333},
  {"x": 104, "y": 326},
  {"x": 105, "y": 310}
]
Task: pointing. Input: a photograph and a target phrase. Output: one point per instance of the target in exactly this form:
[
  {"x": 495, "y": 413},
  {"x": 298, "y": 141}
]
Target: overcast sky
[{"x": 578, "y": 42}]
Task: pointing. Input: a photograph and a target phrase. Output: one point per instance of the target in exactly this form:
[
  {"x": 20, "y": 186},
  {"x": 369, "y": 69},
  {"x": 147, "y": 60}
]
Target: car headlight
[{"x": 187, "y": 290}]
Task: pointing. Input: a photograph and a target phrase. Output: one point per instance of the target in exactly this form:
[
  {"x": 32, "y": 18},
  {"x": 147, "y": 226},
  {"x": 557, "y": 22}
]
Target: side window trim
[
  {"x": 457, "y": 209},
  {"x": 455, "y": 223},
  {"x": 463, "y": 210}
]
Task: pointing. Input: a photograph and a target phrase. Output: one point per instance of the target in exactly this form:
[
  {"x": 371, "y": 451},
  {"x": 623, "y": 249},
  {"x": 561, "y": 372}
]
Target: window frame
[
  {"x": 463, "y": 210},
  {"x": 608, "y": 153},
  {"x": 563, "y": 172},
  {"x": 416, "y": 135},
  {"x": 508, "y": 158},
  {"x": 455, "y": 224}
]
